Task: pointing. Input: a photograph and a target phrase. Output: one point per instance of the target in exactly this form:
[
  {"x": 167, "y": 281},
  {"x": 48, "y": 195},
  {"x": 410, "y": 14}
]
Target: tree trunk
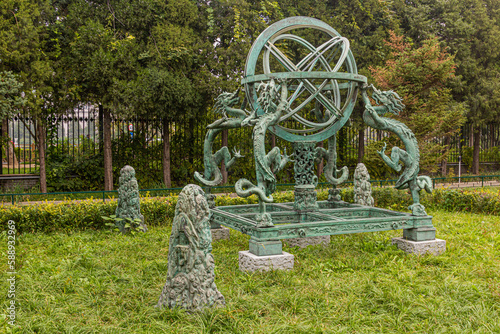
[
  {"x": 361, "y": 145},
  {"x": 444, "y": 162},
  {"x": 273, "y": 141},
  {"x": 491, "y": 135},
  {"x": 475, "y": 153},
  {"x": 40, "y": 133},
  {"x": 10, "y": 153},
  {"x": 166, "y": 154},
  {"x": 108, "y": 159},
  {"x": 223, "y": 167}
]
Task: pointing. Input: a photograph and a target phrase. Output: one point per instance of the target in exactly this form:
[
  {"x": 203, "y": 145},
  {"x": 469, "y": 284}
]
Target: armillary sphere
[{"x": 325, "y": 79}]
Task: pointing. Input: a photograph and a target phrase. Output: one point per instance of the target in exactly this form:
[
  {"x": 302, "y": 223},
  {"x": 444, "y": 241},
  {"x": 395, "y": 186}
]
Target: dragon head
[
  {"x": 226, "y": 100},
  {"x": 269, "y": 92},
  {"x": 389, "y": 99}
]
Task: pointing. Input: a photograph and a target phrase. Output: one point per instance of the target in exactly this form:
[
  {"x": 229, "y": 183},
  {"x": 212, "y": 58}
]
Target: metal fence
[
  {"x": 104, "y": 195},
  {"x": 79, "y": 134}
]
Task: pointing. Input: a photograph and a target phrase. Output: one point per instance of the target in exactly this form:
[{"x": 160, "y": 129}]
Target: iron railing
[
  {"x": 283, "y": 186},
  {"x": 80, "y": 131}
]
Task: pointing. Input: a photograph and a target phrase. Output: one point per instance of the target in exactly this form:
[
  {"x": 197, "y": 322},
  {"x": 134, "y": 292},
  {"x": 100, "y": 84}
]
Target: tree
[
  {"x": 107, "y": 40},
  {"x": 10, "y": 101},
  {"x": 171, "y": 82},
  {"x": 470, "y": 29},
  {"x": 26, "y": 51},
  {"x": 419, "y": 76}
]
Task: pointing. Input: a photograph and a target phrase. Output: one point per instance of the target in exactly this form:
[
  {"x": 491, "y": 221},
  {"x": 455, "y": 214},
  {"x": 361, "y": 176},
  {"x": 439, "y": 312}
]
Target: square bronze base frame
[{"x": 331, "y": 218}]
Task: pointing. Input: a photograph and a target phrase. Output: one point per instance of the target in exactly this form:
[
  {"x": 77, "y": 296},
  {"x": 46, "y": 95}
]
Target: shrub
[{"x": 70, "y": 215}]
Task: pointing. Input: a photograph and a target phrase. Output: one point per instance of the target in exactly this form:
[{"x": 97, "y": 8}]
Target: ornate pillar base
[
  {"x": 305, "y": 198},
  {"x": 265, "y": 248},
  {"x": 334, "y": 195},
  {"x": 305, "y": 179},
  {"x": 420, "y": 234}
]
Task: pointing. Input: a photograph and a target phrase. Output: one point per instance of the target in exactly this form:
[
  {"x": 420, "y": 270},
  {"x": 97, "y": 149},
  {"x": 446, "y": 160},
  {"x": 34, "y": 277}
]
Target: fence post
[{"x": 12, "y": 197}]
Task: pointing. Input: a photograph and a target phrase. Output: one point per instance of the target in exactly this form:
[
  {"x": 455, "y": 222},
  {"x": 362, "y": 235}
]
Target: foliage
[
  {"x": 419, "y": 76},
  {"x": 73, "y": 172},
  {"x": 127, "y": 224},
  {"x": 138, "y": 153},
  {"x": 87, "y": 214},
  {"x": 109, "y": 283},
  {"x": 377, "y": 168},
  {"x": 10, "y": 94},
  {"x": 470, "y": 31},
  {"x": 492, "y": 154},
  {"x": 24, "y": 36}
]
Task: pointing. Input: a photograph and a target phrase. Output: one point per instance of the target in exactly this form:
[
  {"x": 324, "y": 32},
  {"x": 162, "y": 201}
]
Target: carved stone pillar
[{"x": 305, "y": 178}]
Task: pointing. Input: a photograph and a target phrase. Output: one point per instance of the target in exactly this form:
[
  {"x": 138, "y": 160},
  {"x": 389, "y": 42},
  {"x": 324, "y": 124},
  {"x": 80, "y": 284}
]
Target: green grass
[{"x": 101, "y": 282}]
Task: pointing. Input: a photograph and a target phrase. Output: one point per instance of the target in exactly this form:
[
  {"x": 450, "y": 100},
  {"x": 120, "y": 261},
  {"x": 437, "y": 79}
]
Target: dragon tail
[
  {"x": 217, "y": 179},
  {"x": 251, "y": 190},
  {"x": 408, "y": 174}
]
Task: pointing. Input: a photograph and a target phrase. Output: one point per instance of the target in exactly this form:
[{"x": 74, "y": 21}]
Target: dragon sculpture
[
  {"x": 390, "y": 101},
  {"x": 266, "y": 165},
  {"x": 224, "y": 105},
  {"x": 330, "y": 171}
]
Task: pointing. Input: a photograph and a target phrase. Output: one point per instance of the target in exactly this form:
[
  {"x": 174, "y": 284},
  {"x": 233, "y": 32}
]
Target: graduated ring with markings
[{"x": 326, "y": 77}]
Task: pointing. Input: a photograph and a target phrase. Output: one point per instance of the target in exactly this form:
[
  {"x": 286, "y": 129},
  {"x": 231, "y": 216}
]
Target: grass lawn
[{"x": 101, "y": 282}]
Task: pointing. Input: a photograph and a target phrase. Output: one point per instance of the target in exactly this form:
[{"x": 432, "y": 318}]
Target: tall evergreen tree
[
  {"x": 26, "y": 50},
  {"x": 470, "y": 29},
  {"x": 419, "y": 76}
]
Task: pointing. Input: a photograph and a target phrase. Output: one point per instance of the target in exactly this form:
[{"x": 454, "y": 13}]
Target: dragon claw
[
  {"x": 382, "y": 151},
  {"x": 236, "y": 153},
  {"x": 286, "y": 156}
]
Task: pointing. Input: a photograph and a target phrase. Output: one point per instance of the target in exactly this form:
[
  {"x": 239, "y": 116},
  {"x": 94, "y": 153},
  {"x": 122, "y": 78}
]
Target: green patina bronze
[
  {"x": 266, "y": 165},
  {"x": 306, "y": 101},
  {"x": 224, "y": 105},
  {"x": 391, "y": 102}
]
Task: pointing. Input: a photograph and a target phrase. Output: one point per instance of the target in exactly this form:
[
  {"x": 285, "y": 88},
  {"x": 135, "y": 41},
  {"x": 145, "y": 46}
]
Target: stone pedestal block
[
  {"x": 434, "y": 247},
  {"x": 324, "y": 240},
  {"x": 221, "y": 233},
  {"x": 251, "y": 262}
]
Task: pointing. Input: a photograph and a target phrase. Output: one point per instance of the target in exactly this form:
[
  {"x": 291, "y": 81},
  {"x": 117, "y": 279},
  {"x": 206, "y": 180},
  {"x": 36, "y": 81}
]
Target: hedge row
[{"x": 81, "y": 215}]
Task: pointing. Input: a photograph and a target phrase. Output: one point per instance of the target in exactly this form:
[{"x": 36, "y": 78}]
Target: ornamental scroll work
[{"x": 304, "y": 101}]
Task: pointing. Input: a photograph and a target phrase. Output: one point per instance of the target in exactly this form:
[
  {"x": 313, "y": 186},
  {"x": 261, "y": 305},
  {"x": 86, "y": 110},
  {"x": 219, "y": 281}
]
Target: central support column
[
  {"x": 305, "y": 178},
  {"x": 305, "y": 195}
]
